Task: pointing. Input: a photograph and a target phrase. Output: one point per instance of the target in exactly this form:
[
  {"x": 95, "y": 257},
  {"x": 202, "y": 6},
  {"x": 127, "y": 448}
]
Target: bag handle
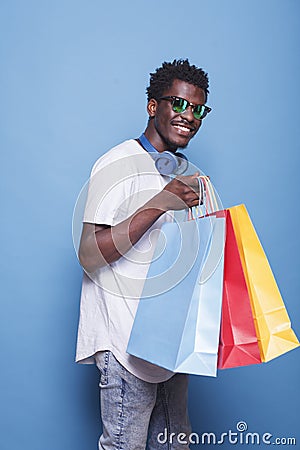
[
  {"x": 210, "y": 192},
  {"x": 208, "y": 202}
]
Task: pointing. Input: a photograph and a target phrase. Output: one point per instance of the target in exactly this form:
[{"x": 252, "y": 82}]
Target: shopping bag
[
  {"x": 272, "y": 323},
  {"x": 177, "y": 323},
  {"x": 238, "y": 340}
]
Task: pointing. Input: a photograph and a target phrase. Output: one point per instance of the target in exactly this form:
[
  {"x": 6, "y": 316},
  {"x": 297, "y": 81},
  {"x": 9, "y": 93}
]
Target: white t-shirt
[{"x": 122, "y": 180}]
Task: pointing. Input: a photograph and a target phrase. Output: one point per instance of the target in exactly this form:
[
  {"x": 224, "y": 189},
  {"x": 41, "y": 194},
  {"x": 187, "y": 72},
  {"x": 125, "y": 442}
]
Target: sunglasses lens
[
  {"x": 179, "y": 105},
  {"x": 199, "y": 112}
]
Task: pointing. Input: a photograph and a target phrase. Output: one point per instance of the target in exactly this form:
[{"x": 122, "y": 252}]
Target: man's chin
[
  {"x": 175, "y": 142},
  {"x": 175, "y": 145},
  {"x": 178, "y": 145}
]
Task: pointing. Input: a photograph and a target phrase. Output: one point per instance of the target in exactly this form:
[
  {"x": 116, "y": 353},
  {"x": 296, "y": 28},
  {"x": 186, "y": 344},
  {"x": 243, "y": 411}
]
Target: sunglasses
[{"x": 179, "y": 105}]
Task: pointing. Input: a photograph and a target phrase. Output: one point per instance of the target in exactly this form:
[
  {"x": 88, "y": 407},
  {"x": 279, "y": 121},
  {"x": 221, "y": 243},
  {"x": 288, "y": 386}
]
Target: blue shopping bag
[{"x": 177, "y": 322}]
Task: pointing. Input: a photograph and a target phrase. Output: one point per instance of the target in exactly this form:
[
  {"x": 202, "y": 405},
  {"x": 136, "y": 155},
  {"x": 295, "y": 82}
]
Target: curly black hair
[{"x": 162, "y": 79}]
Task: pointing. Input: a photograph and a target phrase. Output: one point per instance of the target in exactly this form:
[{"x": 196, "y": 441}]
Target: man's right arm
[{"x": 101, "y": 245}]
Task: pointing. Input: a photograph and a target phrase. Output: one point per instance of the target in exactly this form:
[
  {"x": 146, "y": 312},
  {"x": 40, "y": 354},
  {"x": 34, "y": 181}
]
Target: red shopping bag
[{"x": 238, "y": 341}]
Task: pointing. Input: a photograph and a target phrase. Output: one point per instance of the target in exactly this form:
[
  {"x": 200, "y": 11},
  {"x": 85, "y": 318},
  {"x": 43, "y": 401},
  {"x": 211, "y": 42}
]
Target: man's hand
[{"x": 182, "y": 192}]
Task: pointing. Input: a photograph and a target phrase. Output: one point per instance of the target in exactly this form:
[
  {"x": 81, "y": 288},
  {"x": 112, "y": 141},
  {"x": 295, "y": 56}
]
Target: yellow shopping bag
[{"x": 272, "y": 323}]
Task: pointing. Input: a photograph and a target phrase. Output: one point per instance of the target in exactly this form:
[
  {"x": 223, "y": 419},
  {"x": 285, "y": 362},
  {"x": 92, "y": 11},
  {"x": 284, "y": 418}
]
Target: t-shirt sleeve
[{"x": 109, "y": 193}]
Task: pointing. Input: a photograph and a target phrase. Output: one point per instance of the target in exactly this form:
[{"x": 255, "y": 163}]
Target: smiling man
[
  {"x": 129, "y": 198},
  {"x": 172, "y": 127}
]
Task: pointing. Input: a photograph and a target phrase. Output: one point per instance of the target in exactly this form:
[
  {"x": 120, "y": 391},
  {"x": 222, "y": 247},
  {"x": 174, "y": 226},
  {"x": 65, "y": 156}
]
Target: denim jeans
[{"x": 137, "y": 415}]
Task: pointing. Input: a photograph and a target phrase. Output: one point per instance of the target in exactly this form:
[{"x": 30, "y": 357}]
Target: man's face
[{"x": 173, "y": 130}]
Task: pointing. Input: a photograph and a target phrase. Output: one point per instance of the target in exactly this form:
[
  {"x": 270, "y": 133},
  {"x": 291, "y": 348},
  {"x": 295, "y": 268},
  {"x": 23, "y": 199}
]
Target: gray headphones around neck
[{"x": 168, "y": 163}]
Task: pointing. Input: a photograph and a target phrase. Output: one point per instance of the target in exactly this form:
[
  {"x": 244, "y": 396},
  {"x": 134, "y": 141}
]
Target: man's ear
[{"x": 151, "y": 107}]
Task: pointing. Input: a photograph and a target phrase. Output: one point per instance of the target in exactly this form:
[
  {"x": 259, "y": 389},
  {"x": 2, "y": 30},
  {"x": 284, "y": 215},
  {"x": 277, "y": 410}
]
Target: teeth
[{"x": 182, "y": 128}]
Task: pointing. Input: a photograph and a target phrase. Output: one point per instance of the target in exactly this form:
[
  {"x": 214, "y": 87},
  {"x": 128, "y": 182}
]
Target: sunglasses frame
[{"x": 173, "y": 98}]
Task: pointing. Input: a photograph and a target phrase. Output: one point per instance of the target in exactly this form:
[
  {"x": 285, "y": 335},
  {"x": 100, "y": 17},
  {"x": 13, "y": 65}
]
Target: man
[{"x": 128, "y": 200}]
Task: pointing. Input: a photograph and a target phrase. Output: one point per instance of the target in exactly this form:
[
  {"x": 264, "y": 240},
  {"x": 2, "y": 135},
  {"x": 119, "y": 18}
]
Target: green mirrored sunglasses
[{"x": 179, "y": 105}]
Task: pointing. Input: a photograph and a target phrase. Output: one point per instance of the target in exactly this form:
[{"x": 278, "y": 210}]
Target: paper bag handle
[{"x": 208, "y": 202}]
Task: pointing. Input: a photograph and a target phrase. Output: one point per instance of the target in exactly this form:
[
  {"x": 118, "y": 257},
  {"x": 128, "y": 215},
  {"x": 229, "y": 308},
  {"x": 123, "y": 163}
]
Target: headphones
[{"x": 167, "y": 163}]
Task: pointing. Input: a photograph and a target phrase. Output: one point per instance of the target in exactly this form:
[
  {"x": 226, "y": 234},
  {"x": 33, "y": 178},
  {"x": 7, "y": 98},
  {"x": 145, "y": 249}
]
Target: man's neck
[{"x": 157, "y": 142}]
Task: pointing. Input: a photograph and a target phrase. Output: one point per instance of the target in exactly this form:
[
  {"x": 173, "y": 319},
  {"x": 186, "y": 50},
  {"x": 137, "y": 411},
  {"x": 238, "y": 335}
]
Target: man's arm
[{"x": 102, "y": 244}]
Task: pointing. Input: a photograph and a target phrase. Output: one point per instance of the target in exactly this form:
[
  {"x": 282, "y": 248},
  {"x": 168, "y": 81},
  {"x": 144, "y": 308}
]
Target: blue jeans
[{"x": 136, "y": 414}]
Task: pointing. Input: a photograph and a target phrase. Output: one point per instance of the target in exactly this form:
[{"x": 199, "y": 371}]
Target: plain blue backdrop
[{"x": 73, "y": 78}]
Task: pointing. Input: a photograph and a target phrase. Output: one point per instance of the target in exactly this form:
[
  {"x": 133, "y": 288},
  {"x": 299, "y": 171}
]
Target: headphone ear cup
[
  {"x": 166, "y": 163},
  {"x": 182, "y": 163}
]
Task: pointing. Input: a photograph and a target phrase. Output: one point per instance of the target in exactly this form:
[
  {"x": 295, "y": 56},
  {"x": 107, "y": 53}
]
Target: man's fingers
[{"x": 190, "y": 180}]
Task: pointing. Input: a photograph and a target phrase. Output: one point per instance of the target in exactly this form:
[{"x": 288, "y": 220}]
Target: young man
[{"x": 128, "y": 200}]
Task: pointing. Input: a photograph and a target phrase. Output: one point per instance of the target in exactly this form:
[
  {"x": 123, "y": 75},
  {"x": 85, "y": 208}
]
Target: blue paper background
[{"x": 73, "y": 78}]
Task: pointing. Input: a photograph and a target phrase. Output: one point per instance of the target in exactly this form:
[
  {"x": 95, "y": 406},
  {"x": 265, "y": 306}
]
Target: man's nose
[{"x": 188, "y": 114}]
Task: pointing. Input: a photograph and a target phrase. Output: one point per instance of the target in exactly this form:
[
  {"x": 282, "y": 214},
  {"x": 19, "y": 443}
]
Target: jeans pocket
[{"x": 102, "y": 361}]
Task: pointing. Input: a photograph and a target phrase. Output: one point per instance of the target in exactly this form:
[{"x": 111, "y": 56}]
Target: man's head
[
  {"x": 176, "y": 97},
  {"x": 162, "y": 79}
]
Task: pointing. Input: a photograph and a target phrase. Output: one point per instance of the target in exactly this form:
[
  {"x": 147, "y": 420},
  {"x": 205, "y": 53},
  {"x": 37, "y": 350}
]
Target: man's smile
[{"x": 183, "y": 128}]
